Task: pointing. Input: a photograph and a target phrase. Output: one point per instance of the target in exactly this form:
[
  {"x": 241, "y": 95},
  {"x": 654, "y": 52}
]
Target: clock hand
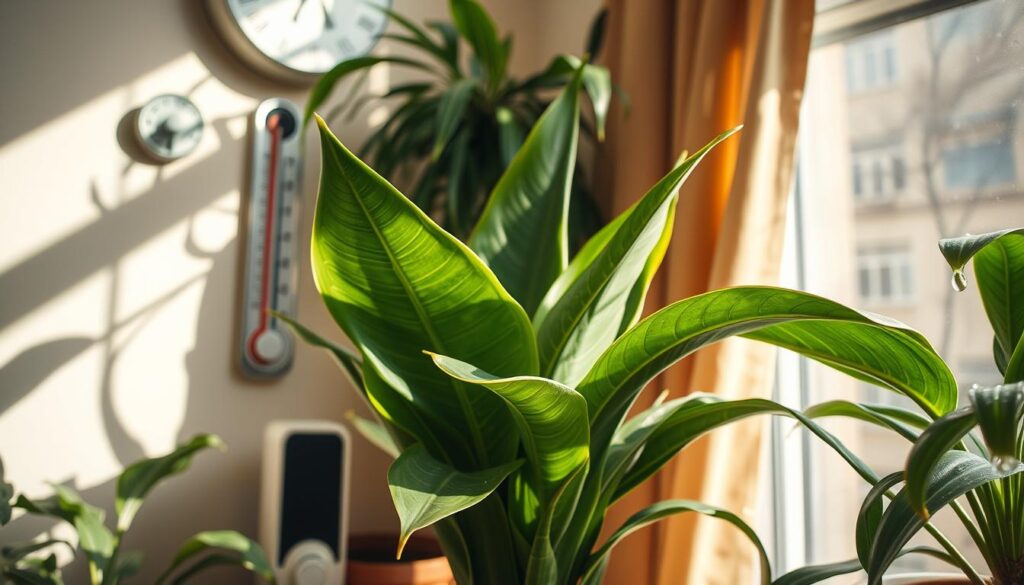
[
  {"x": 327, "y": 15},
  {"x": 298, "y": 10}
]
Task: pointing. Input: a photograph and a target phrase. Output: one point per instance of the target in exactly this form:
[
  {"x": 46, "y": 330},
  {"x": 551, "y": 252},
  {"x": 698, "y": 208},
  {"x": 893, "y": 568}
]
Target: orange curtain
[{"x": 693, "y": 68}]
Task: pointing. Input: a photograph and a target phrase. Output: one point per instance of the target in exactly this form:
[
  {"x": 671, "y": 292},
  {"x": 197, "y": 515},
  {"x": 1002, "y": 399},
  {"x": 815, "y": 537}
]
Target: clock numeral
[
  {"x": 346, "y": 46},
  {"x": 366, "y": 23}
]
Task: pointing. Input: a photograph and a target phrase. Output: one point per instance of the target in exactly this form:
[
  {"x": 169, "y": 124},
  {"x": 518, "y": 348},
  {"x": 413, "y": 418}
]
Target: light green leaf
[
  {"x": 869, "y": 347},
  {"x": 221, "y": 547},
  {"x": 552, "y": 421},
  {"x": 138, "y": 478},
  {"x": 450, "y": 113},
  {"x": 589, "y": 311},
  {"x": 931, "y": 447},
  {"x": 325, "y": 85},
  {"x": 998, "y": 411},
  {"x": 369, "y": 245},
  {"x": 956, "y": 473},
  {"x": 375, "y": 433},
  {"x": 349, "y": 362},
  {"x": 476, "y": 26},
  {"x": 426, "y": 490},
  {"x": 94, "y": 538},
  {"x": 522, "y": 232},
  {"x": 667, "y": 508},
  {"x": 630, "y": 438}
]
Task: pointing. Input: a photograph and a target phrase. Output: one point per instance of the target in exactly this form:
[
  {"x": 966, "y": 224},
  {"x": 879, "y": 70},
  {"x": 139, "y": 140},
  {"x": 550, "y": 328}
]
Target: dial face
[
  {"x": 169, "y": 126},
  {"x": 310, "y": 36}
]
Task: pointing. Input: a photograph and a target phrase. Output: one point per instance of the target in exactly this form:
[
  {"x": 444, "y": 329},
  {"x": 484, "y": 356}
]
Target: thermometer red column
[{"x": 270, "y": 276}]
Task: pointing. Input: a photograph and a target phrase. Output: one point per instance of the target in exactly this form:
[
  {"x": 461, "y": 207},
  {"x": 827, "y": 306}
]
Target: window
[
  {"x": 980, "y": 165},
  {"x": 878, "y": 173},
  {"x": 871, "y": 63},
  {"x": 885, "y": 276},
  {"x": 946, "y": 127}
]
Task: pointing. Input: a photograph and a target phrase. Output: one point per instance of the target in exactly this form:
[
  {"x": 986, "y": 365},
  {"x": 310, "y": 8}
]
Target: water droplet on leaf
[
  {"x": 1005, "y": 463},
  {"x": 959, "y": 281}
]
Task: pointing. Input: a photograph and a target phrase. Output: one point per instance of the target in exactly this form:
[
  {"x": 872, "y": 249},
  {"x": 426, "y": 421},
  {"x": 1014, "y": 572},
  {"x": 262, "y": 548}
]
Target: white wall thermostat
[
  {"x": 298, "y": 40},
  {"x": 270, "y": 267},
  {"x": 168, "y": 127},
  {"x": 304, "y": 501}
]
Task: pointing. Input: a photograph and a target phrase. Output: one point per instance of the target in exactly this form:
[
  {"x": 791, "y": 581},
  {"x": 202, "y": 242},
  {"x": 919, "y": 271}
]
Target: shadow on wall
[{"x": 104, "y": 46}]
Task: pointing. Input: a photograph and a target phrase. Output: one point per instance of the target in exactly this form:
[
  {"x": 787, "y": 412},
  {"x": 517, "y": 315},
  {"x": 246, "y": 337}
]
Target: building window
[
  {"x": 878, "y": 173},
  {"x": 871, "y": 63},
  {"x": 979, "y": 165},
  {"x": 885, "y": 275}
]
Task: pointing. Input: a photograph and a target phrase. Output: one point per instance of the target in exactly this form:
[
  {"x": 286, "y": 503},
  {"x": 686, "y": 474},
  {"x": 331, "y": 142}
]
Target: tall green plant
[
  {"x": 968, "y": 459},
  {"x": 459, "y": 128},
  {"x": 501, "y": 372},
  {"x": 108, "y": 563}
]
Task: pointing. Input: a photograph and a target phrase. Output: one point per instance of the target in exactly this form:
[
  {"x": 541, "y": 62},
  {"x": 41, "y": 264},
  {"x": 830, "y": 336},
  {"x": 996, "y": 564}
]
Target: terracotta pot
[{"x": 371, "y": 561}]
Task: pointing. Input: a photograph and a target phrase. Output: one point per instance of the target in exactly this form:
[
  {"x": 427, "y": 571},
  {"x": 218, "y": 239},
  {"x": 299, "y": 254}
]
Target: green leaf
[
  {"x": 94, "y": 539},
  {"x": 349, "y": 362},
  {"x": 325, "y": 85},
  {"x": 542, "y": 567},
  {"x": 999, "y": 267},
  {"x": 595, "y": 38},
  {"x": 818, "y": 573},
  {"x": 552, "y": 421},
  {"x": 904, "y": 422},
  {"x": 6, "y": 495},
  {"x": 450, "y": 47},
  {"x": 368, "y": 251},
  {"x": 870, "y": 516},
  {"x": 866, "y": 346},
  {"x": 223, "y": 547},
  {"x": 476, "y": 26},
  {"x": 931, "y": 447},
  {"x": 426, "y": 490},
  {"x": 667, "y": 508},
  {"x": 522, "y": 232},
  {"x": 510, "y": 135},
  {"x": 597, "y": 82},
  {"x": 11, "y": 554},
  {"x": 601, "y": 296},
  {"x": 702, "y": 413},
  {"x": 375, "y": 433},
  {"x": 450, "y": 113},
  {"x": 129, "y": 564},
  {"x": 998, "y": 411},
  {"x": 138, "y": 478},
  {"x": 956, "y": 473},
  {"x": 630, "y": 438}
]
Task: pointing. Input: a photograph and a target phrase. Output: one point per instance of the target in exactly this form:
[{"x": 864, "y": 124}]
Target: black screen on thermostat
[{"x": 311, "y": 502}]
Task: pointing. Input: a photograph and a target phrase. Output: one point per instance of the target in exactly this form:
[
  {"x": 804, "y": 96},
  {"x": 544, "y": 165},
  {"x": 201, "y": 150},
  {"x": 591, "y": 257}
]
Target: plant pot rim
[
  {"x": 926, "y": 579},
  {"x": 422, "y": 561}
]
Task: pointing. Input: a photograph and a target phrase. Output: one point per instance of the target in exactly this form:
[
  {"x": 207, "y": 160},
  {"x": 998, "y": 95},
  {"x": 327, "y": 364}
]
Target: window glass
[{"x": 907, "y": 135}]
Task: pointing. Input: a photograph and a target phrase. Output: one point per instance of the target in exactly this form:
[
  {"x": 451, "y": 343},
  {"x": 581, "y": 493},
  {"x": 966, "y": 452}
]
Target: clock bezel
[
  {"x": 240, "y": 43},
  {"x": 147, "y": 145}
]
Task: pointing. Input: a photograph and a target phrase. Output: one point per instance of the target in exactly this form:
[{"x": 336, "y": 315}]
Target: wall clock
[
  {"x": 168, "y": 127},
  {"x": 298, "y": 40}
]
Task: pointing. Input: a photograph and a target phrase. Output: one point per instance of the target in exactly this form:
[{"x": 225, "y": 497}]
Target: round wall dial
[
  {"x": 168, "y": 127},
  {"x": 299, "y": 40}
]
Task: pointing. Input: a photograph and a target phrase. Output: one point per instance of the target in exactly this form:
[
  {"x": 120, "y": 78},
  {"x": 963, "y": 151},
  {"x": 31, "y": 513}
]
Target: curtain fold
[{"x": 693, "y": 68}]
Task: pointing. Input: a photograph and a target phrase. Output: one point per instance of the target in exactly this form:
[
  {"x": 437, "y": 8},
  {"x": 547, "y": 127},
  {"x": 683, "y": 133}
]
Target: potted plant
[
  {"x": 457, "y": 129},
  {"x": 108, "y": 563},
  {"x": 500, "y": 371}
]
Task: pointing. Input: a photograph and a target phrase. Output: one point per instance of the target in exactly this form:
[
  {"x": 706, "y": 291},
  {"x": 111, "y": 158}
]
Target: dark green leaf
[
  {"x": 138, "y": 478},
  {"x": 522, "y": 233},
  {"x": 451, "y": 112},
  {"x": 426, "y": 490},
  {"x": 601, "y": 294},
  {"x": 510, "y": 135},
  {"x": 931, "y": 447},
  {"x": 998, "y": 411},
  {"x": 818, "y": 573},
  {"x": 476, "y": 26},
  {"x": 956, "y": 473},
  {"x": 904, "y": 422},
  {"x": 595, "y": 38},
  {"x": 870, "y": 515},
  {"x": 667, "y": 508},
  {"x": 369, "y": 243},
  {"x": 128, "y": 565},
  {"x": 325, "y": 85},
  {"x": 94, "y": 539}
]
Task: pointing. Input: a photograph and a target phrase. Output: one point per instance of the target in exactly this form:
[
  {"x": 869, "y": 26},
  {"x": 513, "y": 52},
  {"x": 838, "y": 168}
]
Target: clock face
[
  {"x": 169, "y": 127},
  {"x": 310, "y": 36}
]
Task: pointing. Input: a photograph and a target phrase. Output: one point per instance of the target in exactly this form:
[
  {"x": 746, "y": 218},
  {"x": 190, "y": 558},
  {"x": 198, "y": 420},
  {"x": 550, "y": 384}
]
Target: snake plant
[
  {"x": 108, "y": 563},
  {"x": 457, "y": 128},
  {"x": 967, "y": 459},
  {"x": 500, "y": 371}
]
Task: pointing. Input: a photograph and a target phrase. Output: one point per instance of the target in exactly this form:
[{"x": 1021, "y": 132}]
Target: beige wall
[{"x": 118, "y": 286}]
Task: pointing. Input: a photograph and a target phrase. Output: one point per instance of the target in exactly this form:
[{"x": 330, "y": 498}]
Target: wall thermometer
[{"x": 270, "y": 270}]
